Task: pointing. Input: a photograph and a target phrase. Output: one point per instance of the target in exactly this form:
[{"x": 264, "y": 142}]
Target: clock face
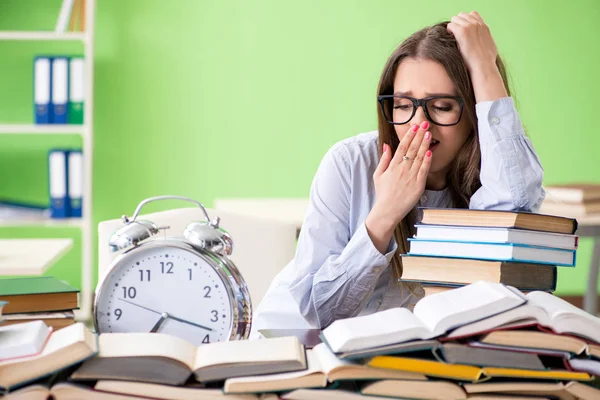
[{"x": 165, "y": 289}]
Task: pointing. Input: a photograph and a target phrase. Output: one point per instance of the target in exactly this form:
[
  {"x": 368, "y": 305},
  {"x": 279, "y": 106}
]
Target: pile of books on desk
[
  {"x": 477, "y": 341},
  {"x": 44, "y": 298},
  {"x": 454, "y": 247},
  {"x": 572, "y": 200}
]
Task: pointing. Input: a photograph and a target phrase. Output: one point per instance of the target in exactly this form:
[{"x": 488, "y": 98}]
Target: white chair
[
  {"x": 290, "y": 210},
  {"x": 261, "y": 247}
]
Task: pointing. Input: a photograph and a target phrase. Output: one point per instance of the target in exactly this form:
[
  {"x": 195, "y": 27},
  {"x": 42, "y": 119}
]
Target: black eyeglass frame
[{"x": 420, "y": 103}]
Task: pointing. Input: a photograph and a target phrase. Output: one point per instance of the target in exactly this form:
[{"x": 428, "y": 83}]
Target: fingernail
[
  {"x": 427, "y": 135},
  {"x": 415, "y": 128},
  {"x": 385, "y": 147},
  {"x": 424, "y": 125},
  {"x": 429, "y": 153}
]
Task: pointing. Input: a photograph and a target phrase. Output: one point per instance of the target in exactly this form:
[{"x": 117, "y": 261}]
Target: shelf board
[
  {"x": 31, "y": 256},
  {"x": 45, "y": 128},
  {"x": 41, "y": 35},
  {"x": 42, "y": 222}
]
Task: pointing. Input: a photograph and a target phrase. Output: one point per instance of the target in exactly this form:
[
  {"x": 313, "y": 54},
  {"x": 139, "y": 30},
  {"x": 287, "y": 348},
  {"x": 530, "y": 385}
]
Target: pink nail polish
[
  {"x": 415, "y": 128},
  {"x": 424, "y": 125},
  {"x": 428, "y": 154},
  {"x": 427, "y": 135}
]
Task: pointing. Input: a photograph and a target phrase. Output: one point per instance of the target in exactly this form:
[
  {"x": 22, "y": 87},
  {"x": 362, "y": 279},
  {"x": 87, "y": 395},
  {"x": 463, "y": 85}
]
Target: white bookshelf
[
  {"x": 86, "y": 132},
  {"x": 41, "y": 129},
  {"x": 49, "y": 35}
]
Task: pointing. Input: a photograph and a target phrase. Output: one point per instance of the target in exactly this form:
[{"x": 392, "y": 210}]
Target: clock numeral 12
[{"x": 166, "y": 267}]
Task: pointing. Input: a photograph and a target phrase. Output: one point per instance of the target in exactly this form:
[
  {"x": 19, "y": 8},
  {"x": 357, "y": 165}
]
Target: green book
[
  {"x": 76, "y": 90},
  {"x": 36, "y": 294}
]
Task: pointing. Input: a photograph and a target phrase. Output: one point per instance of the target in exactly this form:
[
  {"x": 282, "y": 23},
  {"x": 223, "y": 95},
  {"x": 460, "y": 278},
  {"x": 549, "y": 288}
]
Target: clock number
[
  {"x": 215, "y": 317},
  {"x": 129, "y": 292},
  {"x": 206, "y": 339},
  {"x": 168, "y": 266},
  {"x": 118, "y": 313},
  {"x": 142, "y": 275},
  {"x": 190, "y": 271},
  {"x": 207, "y": 294}
]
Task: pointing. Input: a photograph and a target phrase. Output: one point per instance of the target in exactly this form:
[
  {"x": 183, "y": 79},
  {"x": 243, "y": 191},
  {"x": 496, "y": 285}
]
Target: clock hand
[
  {"x": 189, "y": 322},
  {"x": 162, "y": 319},
  {"x": 168, "y": 316},
  {"x": 137, "y": 305}
]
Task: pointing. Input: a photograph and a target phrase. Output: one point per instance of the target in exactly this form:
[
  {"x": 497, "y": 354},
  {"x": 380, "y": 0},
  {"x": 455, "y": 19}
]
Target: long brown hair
[{"x": 437, "y": 44}]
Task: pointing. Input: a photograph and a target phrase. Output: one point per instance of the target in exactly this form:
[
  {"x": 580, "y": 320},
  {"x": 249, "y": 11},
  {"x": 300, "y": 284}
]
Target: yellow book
[{"x": 467, "y": 372}]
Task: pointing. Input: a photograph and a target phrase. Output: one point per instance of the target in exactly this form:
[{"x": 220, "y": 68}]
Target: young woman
[{"x": 449, "y": 136}]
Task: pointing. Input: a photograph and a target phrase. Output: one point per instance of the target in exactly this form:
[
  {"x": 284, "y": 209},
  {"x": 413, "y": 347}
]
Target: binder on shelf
[
  {"x": 42, "y": 87},
  {"x": 60, "y": 90},
  {"x": 76, "y": 90},
  {"x": 75, "y": 182},
  {"x": 57, "y": 168}
]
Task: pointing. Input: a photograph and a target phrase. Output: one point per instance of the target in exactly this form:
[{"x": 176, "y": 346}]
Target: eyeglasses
[{"x": 440, "y": 110}]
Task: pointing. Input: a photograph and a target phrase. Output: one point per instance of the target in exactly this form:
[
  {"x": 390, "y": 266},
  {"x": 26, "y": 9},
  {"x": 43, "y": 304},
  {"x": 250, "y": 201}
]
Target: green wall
[{"x": 208, "y": 98}]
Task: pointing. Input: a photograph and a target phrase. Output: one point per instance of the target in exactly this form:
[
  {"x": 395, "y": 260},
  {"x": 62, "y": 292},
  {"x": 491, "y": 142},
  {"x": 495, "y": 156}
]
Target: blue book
[
  {"x": 75, "y": 182},
  {"x": 492, "y": 251},
  {"x": 42, "y": 87},
  {"x": 58, "y": 178},
  {"x": 59, "y": 99}
]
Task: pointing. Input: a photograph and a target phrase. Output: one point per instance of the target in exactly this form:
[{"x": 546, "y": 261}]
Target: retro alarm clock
[{"x": 183, "y": 285}]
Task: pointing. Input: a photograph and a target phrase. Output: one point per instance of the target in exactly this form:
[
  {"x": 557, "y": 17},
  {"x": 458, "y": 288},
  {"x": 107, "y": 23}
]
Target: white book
[
  {"x": 492, "y": 251},
  {"x": 433, "y": 316},
  {"x": 496, "y": 235},
  {"x": 64, "y": 15},
  {"x": 545, "y": 309},
  {"x": 22, "y": 340}
]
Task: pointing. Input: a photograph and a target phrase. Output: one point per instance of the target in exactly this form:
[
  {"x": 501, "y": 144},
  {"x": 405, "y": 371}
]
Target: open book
[
  {"x": 567, "y": 390},
  {"x": 432, "y": 316},
  {"x": 64, "y": 348},
  {"x": 65, "y": 391},
  {"x": 323, "y": 367},
  {"x": 470, "y": 373},
  {"x": 532, "y": 341},
  {"x": 167, "y": 359},
  {"x": 415, "y": 389},
  {"x": 542, "y": 308},
  {"x": 23, "y": 340},
  {"x": 151, "y": 390}
]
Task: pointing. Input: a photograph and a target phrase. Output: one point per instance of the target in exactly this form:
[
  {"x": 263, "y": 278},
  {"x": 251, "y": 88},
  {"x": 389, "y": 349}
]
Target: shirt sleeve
[
  {"x": 335, "y": 271},
  {"x": 511, "y": 173}
]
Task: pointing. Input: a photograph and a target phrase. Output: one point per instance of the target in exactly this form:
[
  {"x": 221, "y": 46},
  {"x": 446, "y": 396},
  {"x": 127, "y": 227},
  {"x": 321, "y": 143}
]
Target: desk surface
[{"x": 31, "y": 256}]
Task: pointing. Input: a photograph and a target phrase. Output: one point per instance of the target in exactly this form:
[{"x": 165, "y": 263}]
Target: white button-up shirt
[{"x": 337, "y": 271}]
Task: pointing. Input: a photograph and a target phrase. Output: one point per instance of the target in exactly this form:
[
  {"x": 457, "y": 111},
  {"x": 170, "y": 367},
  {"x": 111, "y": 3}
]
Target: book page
[
  {"x": 146, "y": 345},
  {"x": 313, "y": 367},
  {"x": 379, "y": 329},
  {"x": 61, "y": 339},
  {"x": 443, "y": 311},
  {"x": 249, "y": 351},
  {"x": 555, "y": 306},
  {"x": 327, "y": 359}
]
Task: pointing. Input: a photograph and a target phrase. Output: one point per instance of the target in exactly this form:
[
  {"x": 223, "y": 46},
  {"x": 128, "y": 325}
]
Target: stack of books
[
  {"x": 484, "y": 340},
  {"x": 44, "y": 299},
  {"x": 454, "y": 247},
  {"x": 572, "y": 200}
]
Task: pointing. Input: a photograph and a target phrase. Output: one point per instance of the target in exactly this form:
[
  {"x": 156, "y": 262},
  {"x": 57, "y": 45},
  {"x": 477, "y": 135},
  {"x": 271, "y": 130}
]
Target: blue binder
[
  {"x": 58, "y": 179},
  {"x": 42, "y": 87},
  {"x": 59, "y": 99},
  {"x": 75, "y": 182}
]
